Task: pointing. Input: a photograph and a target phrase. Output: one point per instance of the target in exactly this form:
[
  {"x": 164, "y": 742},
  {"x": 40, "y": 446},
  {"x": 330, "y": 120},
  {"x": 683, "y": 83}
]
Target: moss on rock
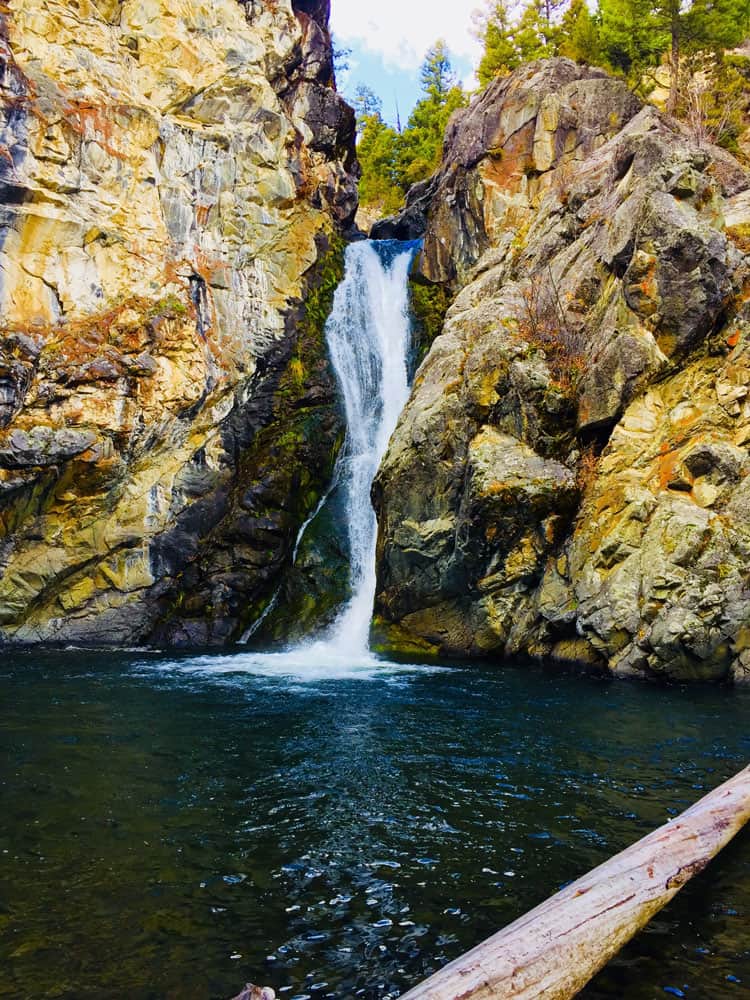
[
  {"x": 287, "y": 441},
  {"x": 429, "y": 303}
]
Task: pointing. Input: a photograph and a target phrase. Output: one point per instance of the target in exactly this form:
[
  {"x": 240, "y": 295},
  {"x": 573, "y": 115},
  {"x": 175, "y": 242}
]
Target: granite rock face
[
  {"x": 173, "y": 180},
  {"x": 570, "y": 477}
]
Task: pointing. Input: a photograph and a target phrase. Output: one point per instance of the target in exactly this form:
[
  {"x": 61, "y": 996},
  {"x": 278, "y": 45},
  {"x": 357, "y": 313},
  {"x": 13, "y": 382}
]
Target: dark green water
[{"x": 172, "y": 834}]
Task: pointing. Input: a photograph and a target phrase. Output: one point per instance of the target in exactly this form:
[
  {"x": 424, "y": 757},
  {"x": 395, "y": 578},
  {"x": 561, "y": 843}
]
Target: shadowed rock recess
[
  {"x": 570, "y": 476},
  {"x": 174, "y": 180}
]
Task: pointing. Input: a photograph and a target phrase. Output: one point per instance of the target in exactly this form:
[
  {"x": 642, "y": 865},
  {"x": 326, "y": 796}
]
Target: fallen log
[
  {"x": 554, "y": 950},
  {"x": 252, "y": 992}
]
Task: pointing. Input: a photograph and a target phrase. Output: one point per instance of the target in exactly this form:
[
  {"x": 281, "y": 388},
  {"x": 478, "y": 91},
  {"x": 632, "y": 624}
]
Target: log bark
[
  {"x": 554, "y": 950},
  {"x": 252, "y": 992}
]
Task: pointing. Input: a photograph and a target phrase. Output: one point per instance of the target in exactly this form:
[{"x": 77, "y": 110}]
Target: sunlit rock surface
[
  {"x": 570, "y": 476},
  {"x": 173, "y": 175}
]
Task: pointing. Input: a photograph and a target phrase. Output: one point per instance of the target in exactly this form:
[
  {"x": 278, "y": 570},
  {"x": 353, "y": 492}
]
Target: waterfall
[{"x": 369, "y": 336}]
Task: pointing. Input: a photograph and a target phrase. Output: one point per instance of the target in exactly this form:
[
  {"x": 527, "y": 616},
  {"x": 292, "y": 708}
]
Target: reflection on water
[{"x": 177, "y": 828}]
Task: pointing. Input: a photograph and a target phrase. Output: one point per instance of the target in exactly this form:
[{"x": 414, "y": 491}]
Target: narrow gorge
[
  {"x": 568, "y": 480},
  {"x": 325, "y": 553}
]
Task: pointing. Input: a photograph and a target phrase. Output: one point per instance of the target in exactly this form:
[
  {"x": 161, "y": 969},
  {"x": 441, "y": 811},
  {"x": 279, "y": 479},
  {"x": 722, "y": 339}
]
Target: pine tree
[
  {"x": 510, "y": 40},
  {"x": 579, "y": 35},
  {"x": 421, "y": 143},
  {"x": 704, "y": 25},
  {"x": 631, "y": 37},
  {"x": 495, "y": 30},
  {"x": 536, "y": 36},
  {"x": 366, "y": 105},
  {"x": 377, "y": 152},
  {"x": 437, "y": 74},
  {"x": 714, "y": 100},
  {"x": 391, "y": 161},
  {"x": 636, "y": 33},
  {"x": 367, "y": 102}
]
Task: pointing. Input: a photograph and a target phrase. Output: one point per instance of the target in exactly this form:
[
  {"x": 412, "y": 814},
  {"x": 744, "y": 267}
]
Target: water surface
[{"x": 177, "y": 828}]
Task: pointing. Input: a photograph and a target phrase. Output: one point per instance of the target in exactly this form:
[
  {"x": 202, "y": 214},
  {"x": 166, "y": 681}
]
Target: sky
[{"x": 388, "y": 40}]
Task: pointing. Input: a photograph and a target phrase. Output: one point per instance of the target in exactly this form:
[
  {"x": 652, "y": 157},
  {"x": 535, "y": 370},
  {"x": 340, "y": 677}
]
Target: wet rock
[
  {"x": 317, "y": 585},
  {"x": 330, "y": 119},
  {"x": 251, "y": 992},
  {"x": 411, "y": 223},
  {"x": 42, "y": 446}
]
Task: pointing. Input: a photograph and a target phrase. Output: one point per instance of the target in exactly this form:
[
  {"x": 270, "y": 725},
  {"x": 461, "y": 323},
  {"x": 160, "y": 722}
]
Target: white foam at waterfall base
[
  {"x": 306, "y": 664},
  {"x": 369, "y": 337}
]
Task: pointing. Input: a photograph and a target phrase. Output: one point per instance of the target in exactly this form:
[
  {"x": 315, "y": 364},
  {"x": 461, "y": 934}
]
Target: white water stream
[{"x": 369, "y": 337}]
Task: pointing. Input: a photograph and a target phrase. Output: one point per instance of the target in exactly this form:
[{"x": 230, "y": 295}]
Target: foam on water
[{"x": 308, "y": 664}]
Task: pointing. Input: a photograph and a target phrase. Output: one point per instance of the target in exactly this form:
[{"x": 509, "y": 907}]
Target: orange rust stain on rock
[
  {"x": 584, "y": 411},
  {"x": 202, "y": 214},
  {"x": 667, "y": 466},
  {"x": 95, "y": 122},
  {"x": 686, "y": 419},
  {"x": 511, "y": 159},
  {"x": 648, "y": 285},
  {"x": 207, "y": 266}
]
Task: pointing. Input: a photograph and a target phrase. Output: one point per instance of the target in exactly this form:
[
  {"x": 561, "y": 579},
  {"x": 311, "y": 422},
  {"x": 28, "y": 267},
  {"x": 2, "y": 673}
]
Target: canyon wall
[
  {"x": 570, "y": 477},
  {"x": 175, "y": 180}
]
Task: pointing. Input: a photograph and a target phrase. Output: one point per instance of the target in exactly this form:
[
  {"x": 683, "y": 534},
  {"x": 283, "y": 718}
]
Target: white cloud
[{"x": 401, "y": 31}]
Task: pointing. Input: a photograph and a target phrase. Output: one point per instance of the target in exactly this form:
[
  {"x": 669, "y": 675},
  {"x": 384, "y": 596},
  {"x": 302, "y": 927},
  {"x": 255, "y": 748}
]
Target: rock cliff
[
  {"x": 174, "y": 177},
  {"x": 570, "y": 477}
]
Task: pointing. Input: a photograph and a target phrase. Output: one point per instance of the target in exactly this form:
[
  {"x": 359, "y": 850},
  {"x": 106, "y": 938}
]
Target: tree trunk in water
[{"x": 554, "y": 950}]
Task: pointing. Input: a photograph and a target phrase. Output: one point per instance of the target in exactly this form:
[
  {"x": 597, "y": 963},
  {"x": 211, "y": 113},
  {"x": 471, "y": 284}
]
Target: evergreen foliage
[
  {"x": 495, "y": 28},
  {"x": 512, "y": 36},
  {"x": 366, "y": 104},
  {"x": 378, "y": 154},
  {"x": 421, "y": 143},
  {"x": 580, "y": 37},
  {"x": 636, "y": 35},
  {"x": 391, "y": 161}
]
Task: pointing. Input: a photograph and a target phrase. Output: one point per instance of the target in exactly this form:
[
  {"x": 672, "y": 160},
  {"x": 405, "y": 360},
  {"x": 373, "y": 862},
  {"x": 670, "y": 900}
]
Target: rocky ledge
[
  {"x": 570, "y": 477},
  {"x": 174, "y": 178}
]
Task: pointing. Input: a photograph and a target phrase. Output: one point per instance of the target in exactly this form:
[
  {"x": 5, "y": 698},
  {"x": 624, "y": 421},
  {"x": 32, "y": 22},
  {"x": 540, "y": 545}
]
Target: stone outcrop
[
  {"x": 173, "y": 180},
  {"x": 570, "y": 477}
]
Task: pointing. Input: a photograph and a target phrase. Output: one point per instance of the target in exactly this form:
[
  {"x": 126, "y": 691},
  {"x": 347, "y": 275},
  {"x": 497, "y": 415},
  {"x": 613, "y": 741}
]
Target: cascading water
[{"x": 369, "y": 336}]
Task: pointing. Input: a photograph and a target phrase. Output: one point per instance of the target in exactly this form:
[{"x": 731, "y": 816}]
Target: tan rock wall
[
  {"x": 568, "y": 479},
  {"x": 163, "y": 208}
]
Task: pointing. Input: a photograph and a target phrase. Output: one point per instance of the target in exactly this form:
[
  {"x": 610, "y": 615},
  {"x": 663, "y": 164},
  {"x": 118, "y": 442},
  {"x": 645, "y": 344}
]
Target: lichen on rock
[
  {"x": 567, "y": 480},
  {"x": 173, "y": 177}
]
